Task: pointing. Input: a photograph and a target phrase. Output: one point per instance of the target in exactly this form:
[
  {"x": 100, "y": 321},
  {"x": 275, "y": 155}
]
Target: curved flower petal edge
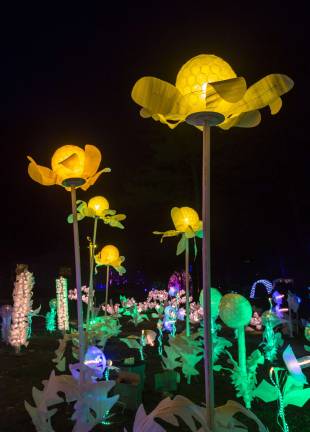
[
  {"x": 69, "y": 162},
  {"x": 208, "y": 83}
]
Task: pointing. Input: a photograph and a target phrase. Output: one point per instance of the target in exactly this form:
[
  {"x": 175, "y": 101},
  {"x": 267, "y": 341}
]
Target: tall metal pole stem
[
  {"x": 107, "y": 291},
  {"x": 90, "y": 305},
  {"x": 206, "y": 277},
  {"x": 78, "y": 277},
  {"x": 188, "y": 327}
]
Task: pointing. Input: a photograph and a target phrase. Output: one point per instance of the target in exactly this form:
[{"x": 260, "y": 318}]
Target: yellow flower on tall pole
[
  {"x": 187, "y": 223},
  {"x": 209, "y": 93},
  {"x": 72, "y": 167},
  {"x": 109, "y": 256}
]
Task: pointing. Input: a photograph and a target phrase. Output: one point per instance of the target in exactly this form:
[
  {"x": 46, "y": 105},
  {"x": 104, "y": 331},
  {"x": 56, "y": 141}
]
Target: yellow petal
[
  {"x": 155, "y": 96},
  {"x": 92, "y": 161},
  {"x": 231, "y": 90},
  {"x": 93, "y": 179},
  {"x": 41, "y": 174},
  {"x": 265, "y": 92},
  {"x": 246, "y": 120},
  {"x": 275, "y": 106}
]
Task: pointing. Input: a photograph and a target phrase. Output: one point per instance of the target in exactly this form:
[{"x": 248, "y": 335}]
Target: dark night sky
[{"x": 66, "y": 77}]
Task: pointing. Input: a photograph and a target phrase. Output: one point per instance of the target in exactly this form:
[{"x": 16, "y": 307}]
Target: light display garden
[{"x": 126, "y": 363}]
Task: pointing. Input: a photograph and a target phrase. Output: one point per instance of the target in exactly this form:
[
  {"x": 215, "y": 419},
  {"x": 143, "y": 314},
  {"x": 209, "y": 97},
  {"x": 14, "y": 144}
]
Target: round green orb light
[
  {"x": 235, "y": 310},
  {"x": 216, "y": 298}
]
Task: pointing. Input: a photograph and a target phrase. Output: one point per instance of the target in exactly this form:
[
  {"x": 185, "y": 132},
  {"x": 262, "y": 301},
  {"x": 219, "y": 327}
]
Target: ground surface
[{"x": 18, "y": 374}]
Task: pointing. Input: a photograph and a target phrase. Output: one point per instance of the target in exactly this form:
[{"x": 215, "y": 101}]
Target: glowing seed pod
[{"x": 235, "y": 310}]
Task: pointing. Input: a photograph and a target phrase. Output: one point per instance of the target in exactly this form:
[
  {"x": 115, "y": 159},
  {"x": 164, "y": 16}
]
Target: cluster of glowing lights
[
  {"x": 72, "y": 295},
  {"x": 22, "y": 295},
  {"x": 62, "y": 304}
]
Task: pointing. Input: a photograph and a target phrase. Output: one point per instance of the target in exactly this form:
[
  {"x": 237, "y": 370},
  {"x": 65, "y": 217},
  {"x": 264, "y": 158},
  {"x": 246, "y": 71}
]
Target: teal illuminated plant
[
  {"x": 219, "y": 343},
  {"x": 236, "y": 312},
  {"x": 272, "y": 340},
  {"x": 287, "y": 386},
  {"x": 50, "y": 318}
]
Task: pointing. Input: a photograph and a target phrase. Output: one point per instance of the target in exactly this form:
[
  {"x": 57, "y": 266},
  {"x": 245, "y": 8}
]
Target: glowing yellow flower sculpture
[
  {"x": 98, "y": 207},
  {"x": 69, "y": 163},
  {"x": 109, "y": 256},
  {"x": 208, "y": 83},
  {"x": 186, "y": 222}
]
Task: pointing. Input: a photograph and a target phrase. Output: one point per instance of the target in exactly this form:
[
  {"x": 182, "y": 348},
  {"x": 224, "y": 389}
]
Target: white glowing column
[
  {"x": 62, "y": 303},
  {"x": 22, "y": 294}
]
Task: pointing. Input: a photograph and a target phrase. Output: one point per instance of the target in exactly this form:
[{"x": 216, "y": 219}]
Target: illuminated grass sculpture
[
  {"x": 72, "y": 168},
  {"x": 209, "y": 93},
  {"x": 187, "y": 223},
  {"x": 50, "y": 317},
  {"x": 62, "y": 304},
  {"x": 22, "y": 296}
]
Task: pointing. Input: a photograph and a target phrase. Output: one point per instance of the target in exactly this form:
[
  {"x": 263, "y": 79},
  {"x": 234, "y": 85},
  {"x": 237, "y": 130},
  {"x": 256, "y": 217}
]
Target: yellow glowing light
[
  {"x": 69, "y": 162},
  {"x": 109, "y": 255},
  {"x": 185, "y": 218},
  {"x": 98, "y": 204},
  {"x": 208, "y": 83}
]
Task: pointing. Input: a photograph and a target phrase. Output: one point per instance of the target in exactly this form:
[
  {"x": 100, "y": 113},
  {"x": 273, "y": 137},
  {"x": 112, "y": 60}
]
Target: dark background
[{"x": 66, "y": 76}]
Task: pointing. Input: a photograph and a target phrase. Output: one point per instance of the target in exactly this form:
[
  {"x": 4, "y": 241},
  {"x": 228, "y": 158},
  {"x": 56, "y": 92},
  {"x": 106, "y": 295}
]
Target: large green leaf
[{"x": 181, "y": 245}]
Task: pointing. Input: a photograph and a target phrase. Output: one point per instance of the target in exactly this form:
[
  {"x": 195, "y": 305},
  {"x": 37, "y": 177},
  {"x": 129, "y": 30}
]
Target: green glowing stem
[
  {"x": 92, "y": 246},
  {"x": 173, "y": 330},
  {"x": 160, "y": 343},
  {"x": 78, "y": 279},
  {"x": 285, "y": 427},
  {"x": 106, "y": 291},
  {"x": 206, "y": 277},
  {"x": 188, "y": 328},
  {"x": 242, "y": 360},
  {"x": 106, "y": 374},
  {"x": 141, "y": 353}
]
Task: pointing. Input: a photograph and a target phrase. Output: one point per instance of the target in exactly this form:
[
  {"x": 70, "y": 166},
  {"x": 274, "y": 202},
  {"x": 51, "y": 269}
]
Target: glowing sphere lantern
[
  {"x": 216, "y": 298},
  {"x": 235, "y": 310},
  {"x": 98, "y": 204}
]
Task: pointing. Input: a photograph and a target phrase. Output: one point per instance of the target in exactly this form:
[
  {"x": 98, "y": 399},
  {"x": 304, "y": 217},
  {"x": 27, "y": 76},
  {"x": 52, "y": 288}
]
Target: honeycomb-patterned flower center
[{"x": 194, "y": 76}]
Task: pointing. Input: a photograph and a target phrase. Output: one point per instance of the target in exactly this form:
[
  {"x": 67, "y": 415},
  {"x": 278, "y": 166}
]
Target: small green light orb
[
  {"x": 307, "y": 332},
  {"x": 216, "y": 298},
  {"x": 269, "y": 317},
  {"x": 235, "y": 310}
]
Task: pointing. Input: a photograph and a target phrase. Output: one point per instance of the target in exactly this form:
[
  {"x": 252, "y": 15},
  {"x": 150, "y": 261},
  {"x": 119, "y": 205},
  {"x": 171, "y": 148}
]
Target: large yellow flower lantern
[
  {"x": 209, "y": 93},
  {"x": 72, "y": 168}
]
